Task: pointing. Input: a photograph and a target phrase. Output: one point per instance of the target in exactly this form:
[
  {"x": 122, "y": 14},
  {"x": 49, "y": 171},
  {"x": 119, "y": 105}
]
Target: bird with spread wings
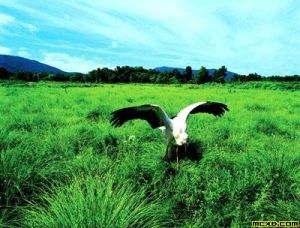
[{"x": 173, "y": 128}]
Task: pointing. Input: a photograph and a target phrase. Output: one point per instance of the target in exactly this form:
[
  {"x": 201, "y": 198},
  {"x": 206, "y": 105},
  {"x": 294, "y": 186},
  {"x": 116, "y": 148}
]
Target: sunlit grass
[
  {"x": 59, "y": 157},
  {"x": 97, "y": 201}
]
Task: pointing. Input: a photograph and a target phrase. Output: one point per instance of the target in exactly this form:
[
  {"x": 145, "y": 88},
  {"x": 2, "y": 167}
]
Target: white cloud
[
  {"x": 6, "y": 19},
  {"x": 11, "y": 23},
  {"x": 23, "y": 52},
  {"x": 5, "y": 22},
  {"x": 69, "y": 63},
  {"x": 5, "y": 50},
  {"x": 29, "y": 27}
]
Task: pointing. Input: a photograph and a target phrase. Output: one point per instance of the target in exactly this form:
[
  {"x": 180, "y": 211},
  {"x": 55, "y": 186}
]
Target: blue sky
[{"x": 246, "y": 36}]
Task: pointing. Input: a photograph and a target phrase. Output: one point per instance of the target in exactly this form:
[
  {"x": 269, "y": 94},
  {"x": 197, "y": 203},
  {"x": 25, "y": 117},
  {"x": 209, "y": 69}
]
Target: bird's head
[{"x": 180, "y": 137}]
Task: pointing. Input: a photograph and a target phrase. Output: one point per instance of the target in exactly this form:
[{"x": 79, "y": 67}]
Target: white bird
[{"x": 174, "y": 128}]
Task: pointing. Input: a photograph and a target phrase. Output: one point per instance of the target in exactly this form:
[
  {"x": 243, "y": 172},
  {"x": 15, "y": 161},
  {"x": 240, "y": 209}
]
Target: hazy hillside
[{"x": 16, "y": 64}]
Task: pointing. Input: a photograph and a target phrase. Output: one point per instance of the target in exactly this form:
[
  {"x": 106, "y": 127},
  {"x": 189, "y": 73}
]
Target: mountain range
[{"x": 17, "y": 64}]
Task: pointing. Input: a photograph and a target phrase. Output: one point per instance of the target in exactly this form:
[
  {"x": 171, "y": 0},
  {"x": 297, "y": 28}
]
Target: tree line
[{"x": 127, "y": 74}]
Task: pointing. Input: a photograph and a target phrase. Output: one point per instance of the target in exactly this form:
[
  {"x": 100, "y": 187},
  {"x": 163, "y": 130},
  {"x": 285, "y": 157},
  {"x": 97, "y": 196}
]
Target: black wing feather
[
  {"x": 119, "y": 117},
  {"x": 215, "y": 108}
]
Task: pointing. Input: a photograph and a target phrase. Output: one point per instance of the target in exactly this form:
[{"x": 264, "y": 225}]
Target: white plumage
[{"x": 173, "y": 128}]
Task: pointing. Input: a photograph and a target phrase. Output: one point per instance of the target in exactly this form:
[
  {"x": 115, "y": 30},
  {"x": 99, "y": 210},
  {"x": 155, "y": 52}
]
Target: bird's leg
[
  {"x": 167, "y": 155},
  {"x": 177, "y": 158}
]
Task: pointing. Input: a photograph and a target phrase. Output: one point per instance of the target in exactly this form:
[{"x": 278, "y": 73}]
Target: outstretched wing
[
  {"x": 214, "y": 108},
  {"x": 153, "y": 114}
]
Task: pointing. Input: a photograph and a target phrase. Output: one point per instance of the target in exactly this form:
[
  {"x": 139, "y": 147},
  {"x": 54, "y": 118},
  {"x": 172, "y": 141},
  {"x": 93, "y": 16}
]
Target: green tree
[
  {"x": 98, "y": 75},
  {"x": 219, "y": 75},
  {"x": 177, "y": 75},
  {"x": 108, "y": 75},
  {"x": 188, "y": 74},
  {"x": 202, "y": 76},
  {"x": 92, "y": 76},
  {"x": 254, "y": 77},
  {"x": 4, "y": 74},
  {"x": 77, "y": 77}
]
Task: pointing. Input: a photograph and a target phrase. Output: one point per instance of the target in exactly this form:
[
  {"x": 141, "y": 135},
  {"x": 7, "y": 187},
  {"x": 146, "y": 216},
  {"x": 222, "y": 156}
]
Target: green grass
[
  {"x": 63, "y": 165},
  {"x": 94, "y": 201}
]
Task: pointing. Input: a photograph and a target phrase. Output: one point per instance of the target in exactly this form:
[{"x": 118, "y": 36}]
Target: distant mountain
[
  {"x": 16, "y": 64},
  {"x": 229, "y": 74}
]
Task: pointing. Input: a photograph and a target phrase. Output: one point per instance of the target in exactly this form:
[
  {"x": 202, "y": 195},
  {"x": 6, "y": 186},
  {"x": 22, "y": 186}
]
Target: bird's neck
[{"x": 178, "y": 124}]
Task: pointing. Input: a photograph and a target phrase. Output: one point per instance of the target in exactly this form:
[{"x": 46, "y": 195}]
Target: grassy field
[{"x": 63, "y": 165}]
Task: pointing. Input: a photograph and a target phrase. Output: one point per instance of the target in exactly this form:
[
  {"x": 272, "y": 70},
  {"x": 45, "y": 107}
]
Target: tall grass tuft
[{"x": 99, "y": 201}]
